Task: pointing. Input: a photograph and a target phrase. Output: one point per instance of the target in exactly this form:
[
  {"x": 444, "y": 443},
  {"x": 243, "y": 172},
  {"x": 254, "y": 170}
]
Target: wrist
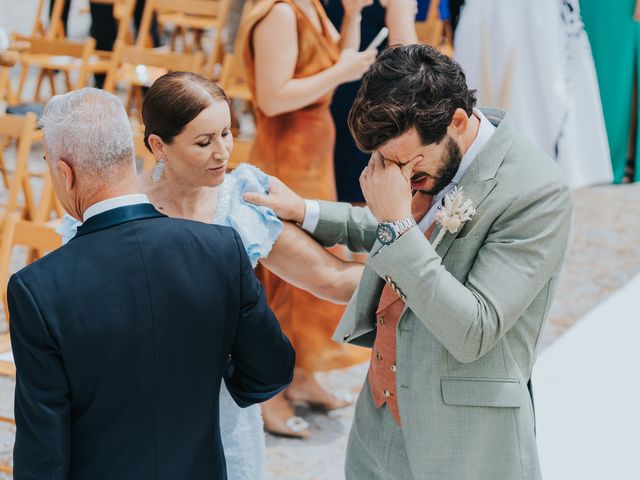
[
  {"x": 352, "y": 17},
  {"x": 388, "y": 232},
  {"x": 300, "y": 211}
]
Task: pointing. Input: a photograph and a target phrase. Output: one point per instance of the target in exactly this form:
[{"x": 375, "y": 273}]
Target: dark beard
[{"x": 451, "y": 160}]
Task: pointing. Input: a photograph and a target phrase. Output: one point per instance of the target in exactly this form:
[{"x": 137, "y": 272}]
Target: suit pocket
[{"x": 482, "y": 392}]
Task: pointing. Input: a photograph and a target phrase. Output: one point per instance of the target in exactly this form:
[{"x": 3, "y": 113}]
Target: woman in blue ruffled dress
[{"x": 187, "y": 127}]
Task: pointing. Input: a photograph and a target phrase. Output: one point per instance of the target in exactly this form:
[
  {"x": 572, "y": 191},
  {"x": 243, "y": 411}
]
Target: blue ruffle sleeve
[{"x": 259, "y": 227}]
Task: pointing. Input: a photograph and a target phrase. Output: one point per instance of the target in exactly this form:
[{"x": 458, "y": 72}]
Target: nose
[{"x": 220, "y": 152}]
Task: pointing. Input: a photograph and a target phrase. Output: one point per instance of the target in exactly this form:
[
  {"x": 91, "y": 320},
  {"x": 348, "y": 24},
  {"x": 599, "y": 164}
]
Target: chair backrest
[
  {"x": 200, "y": 14},
  {"x": 170, "y": 61},
  {"x": 57, "y": 52},
  {"x": 60, "y": 46},
  {"x": 20, "y": 128},
  {"x": 36, "y": 236}
]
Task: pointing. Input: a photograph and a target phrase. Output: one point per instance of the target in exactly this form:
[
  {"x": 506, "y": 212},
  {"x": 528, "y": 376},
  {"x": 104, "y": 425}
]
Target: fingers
[
  {"x": 408, "y": 167},
  {"x": 257, "y": 199}
]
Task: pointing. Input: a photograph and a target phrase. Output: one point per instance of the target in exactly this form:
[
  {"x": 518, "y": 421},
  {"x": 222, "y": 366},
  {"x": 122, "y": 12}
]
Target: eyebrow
[{"x": 228, "y": 127}]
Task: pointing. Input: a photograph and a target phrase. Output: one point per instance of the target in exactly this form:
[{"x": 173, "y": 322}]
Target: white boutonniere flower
[{"x": 452, "y": 216}]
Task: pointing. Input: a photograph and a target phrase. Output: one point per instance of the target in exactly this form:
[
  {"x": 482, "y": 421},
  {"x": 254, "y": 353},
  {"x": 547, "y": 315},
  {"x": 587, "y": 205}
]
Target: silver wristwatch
[{"x": 388, "y": 232}]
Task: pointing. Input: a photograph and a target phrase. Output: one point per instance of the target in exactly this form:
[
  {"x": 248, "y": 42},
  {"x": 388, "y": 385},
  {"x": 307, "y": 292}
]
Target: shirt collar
[
  {"x": 115, "y": 202},
  {"x": 485, "y": 130}
]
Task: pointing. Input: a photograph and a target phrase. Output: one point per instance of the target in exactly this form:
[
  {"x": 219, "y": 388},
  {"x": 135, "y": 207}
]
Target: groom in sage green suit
[{"x": 453, "y": 316}]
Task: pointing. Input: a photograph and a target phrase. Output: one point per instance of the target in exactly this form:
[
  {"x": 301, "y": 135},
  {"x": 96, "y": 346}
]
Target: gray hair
[{"x": 89, "y": 128}]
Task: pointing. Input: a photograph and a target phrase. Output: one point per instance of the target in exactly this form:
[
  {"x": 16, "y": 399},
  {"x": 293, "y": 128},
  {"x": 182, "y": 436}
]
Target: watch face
[{"x": 385, "y": 233}]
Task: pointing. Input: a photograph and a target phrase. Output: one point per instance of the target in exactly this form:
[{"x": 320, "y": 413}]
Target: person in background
[
  {"x": 104, "y": 28},
  {"x": 504, "y": 47},
  {"x": 294, "y": 60},
  {"x": 614, "y": 33},
  {"x": 398, "y": 16}
]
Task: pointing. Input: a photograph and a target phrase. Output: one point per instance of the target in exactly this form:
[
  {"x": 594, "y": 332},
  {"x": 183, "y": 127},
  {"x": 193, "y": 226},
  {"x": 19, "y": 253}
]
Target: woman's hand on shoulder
[{"x": 287, "y": 204}]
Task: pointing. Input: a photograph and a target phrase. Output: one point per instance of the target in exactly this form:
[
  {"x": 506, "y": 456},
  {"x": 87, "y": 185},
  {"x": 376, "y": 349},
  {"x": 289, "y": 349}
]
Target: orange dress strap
[{"x": 317, "y": 50}]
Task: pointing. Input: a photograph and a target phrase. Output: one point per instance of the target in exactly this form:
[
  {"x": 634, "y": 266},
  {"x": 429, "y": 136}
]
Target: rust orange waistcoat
[{"x": 382, "y": 370}]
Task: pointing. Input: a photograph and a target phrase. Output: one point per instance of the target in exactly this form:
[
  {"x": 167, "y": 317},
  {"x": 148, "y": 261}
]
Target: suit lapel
[
  {"x": 476, "y": 192},
  {"x": 481, "y": 179},
  {"x": 117, "y": 216}
]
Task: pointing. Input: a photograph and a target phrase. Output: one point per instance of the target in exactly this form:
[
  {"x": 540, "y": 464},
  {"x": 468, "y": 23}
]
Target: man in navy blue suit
[{"x": 122, "y": 337}]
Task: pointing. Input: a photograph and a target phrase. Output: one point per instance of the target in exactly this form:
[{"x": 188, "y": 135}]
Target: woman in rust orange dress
[{"x": 294, "y": 60}]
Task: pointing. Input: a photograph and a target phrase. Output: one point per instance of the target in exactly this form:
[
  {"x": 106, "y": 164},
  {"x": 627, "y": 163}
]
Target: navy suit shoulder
[{"x": 126, "y": 333}]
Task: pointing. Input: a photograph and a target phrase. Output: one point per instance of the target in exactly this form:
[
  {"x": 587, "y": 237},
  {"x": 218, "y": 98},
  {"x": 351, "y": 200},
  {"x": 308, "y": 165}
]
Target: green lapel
[{"x": 481, "y": 179}]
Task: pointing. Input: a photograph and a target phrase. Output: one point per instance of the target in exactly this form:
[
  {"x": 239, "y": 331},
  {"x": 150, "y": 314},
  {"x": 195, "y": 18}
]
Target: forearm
[
  {"x": 297, "y": 93},
  {"x": 400, "y": 19},
  {"x": 299, "y": 260},
  {"x": 512, "y": 266},
  {"x": 350, "y": 32},
  {"x": 344, "y": 224}
]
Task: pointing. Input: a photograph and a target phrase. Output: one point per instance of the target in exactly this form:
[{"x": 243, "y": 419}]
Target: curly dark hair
[{"x": 409, "y": 86}]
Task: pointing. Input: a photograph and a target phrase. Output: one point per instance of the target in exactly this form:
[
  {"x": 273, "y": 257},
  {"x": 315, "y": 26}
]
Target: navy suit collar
[{"x": 117, "y": 216}]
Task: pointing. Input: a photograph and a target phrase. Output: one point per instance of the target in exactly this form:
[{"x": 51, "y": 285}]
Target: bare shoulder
[{"x": 280, "y": 16}]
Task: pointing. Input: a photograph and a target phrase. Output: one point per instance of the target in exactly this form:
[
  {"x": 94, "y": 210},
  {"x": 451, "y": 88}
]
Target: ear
[
  {"x": 157, "y": 146},
  {"x": 459, "y": 123},
  {"x": 68, "y": 175}
]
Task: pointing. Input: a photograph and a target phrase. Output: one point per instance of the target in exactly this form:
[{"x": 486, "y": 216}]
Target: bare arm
[
  {"x": 299, "y": 260},
  {"x": 400, "y": 19},
  {"x": 276, "y": 52},
  {"x": 350, "y": 28}
]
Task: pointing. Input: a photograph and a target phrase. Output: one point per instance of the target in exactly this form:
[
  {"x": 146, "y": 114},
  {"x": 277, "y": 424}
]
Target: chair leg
[
  {"x": 52, "y": 82},
  {"x": 21, "y": 82},
  {"x": 36, "y": 93},
  {"x": 67, "y": 79}
]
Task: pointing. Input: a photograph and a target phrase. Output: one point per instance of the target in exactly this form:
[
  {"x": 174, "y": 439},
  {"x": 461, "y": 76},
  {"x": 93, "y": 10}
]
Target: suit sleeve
[
  {"x": 262, "y": 358},
  {"x": 42, "y": 404},
  {"x": 524, "y": 248},
  {"x": 341, "y": 223}
]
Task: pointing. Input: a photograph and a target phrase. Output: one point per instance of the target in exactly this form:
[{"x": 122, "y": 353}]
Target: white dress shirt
[
  {"x": 115, "y": 202},
  {"x": 485, "y": 130}
]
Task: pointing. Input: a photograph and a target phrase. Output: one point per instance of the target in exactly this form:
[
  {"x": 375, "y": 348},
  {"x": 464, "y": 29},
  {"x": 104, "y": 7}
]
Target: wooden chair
[
  {"x": 232, "y": 78},
  {"x": 57, "y": 54},
  {"x": 148, "y": 161},
  {"x": 40, "y": 237},
  {"x": 434, "y": 31},
  {"x": 55, "y": 28},
  {"x": 140, "y": 67},
  {"x": 5, "y": 85},
  {"x": 19, "y": 128},
  {"x": 240, "y": 153},
  {"x": 101, "y": 61},
  {"x": 198, "y": 15}
]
